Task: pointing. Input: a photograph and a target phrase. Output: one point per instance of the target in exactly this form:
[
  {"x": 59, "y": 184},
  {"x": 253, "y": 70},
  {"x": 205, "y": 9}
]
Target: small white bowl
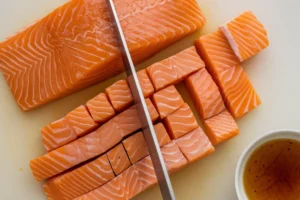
[{"x": 279, "y": 134}]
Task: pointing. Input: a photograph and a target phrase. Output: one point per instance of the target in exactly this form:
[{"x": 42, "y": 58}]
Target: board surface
[{"x": 274, "y": 74}]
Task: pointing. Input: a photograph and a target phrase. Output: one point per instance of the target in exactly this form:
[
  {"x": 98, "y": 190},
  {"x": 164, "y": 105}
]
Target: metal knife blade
[{"x": 149, "y": 133}]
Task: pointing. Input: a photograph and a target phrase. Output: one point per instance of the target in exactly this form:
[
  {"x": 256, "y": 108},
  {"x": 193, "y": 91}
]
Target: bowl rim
[{"x": 271, "y": 135}]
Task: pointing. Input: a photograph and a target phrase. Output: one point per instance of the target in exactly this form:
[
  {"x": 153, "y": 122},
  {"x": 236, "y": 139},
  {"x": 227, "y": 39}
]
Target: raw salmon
[
  {"x": 75, "y": 45},
  {"x": 145, "y": 82},
  {"x": 180, "y": 122},
  {"x": 175, "y": 68},
  {"x": 89, "y": 146},
  {"x": 237, "y": 90},
  {"x": 136, "y": 146},
  {"x": 118, "y": 159},
  {"x": 79, "y": 181},
  {"x": 100, "y": 108},
  {"x": 173, "y": 157},
  {"x": 246, "y": 35},
  {"x": 113, "y": 190},
  {"x": 167, "y": 101},
  {"x": 57, "y": 134},
  {"x": 119, "y": 95},
  {"x": 195, "y": 145},
  {"x": 81, "y": 121},
  {"x": 221, "y": 127},
  {"x": 205, "y": 94}
]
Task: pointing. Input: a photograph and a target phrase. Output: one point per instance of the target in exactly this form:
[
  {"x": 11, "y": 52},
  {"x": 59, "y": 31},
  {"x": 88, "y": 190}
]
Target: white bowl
[{"x": 279, "y": 134}]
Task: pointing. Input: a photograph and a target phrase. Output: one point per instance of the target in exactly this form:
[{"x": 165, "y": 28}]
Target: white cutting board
[{"x": 274, "y": 73}]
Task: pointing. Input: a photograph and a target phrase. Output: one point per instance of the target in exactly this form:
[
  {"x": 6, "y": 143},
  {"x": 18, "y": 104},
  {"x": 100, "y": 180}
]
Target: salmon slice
[
  {"x": 100, "y": 108},
  {"x": 180, "y": 122},
  {"x": 173, "y": 157},
  {"x": 221, "y": 128},
  {"x": 175, "y": 68},
  {"x": 195, "y": 145},
  {"x": 131, "y": 182},
  {"x": 113, "y": 190},
  {"x": 81, "y": 121},
  {"x": 246, "y": 35},
  {"x": 89, "y": 146},
  {"x": 205, "y": 94},
  {"x": 66, "y": 51},
  {"x": 167, "y": 101},
  {"x": 118, "y": 159},
  {"x": 57, "y": 134},
  {"x": 81, "y": 180},
  {"x": 136, "y": 146},
  {"x": 119, "y": 95},
  {"x": 237, "y": 91},
  {"x": 145, "y": 82}
]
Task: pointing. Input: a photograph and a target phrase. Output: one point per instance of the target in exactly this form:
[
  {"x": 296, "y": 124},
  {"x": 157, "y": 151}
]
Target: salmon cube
[
  {"x": 81, "y": 121},
  {"x": 119, "y": 95},
  {"x": 180, "y": 122},
  {"x": 131, "y": 182},
  {"x": 167, "y": 101},
  {"x": 152, "y": 110},
  {"x": 100, "y": 108},
  {"x": 145, "y": 82},
  {"x": 195, "y": 145},
  {"x": 146, "y": 172},
  {"x": 57, "y": 134},
  {"x": 205, "y": 94},
  {"x": 221, "y": 128},
  {"x": 246, "y": 35},
  {"x": 173, "y": 157},
  {"x": 136, "y": 146},
  {"x": 118, "y": 159}
]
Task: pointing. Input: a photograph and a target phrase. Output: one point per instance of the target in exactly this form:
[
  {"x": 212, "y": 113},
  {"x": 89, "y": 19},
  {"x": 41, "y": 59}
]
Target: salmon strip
[
  {"x": 167, "y": 101},
  {"x": 119, "y": 95},
  {"x": 118, "y": 159},
  {"x": 89, "y": 146},
  {"x": 136, "y": 146},
  {"x": 237, "y": 91},
  {"x": 57, "y": 134},
  {"x": 175, "y": 68},
  {"x": 180, "y": 122},
  {"x": 145, "y": 82},
  {"x": 75, "y": 46},
  {"x": 246, "y": 35},
  {"x": 221, "y": 128},
  {"x": 100, "y": 108},
  {"x": 81, "y": 121},
  {"x": 195, "y": 145},
  {"x": 79, "y": 181},
  {"x": 173, "y": 157},
  {"x": 205, "y": 94}
]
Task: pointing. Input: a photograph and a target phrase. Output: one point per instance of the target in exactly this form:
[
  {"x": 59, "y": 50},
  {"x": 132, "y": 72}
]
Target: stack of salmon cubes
[{"x": 98, "y": 150}]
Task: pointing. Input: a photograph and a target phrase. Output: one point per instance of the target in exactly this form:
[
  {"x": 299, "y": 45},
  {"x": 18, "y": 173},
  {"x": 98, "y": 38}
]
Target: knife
[{"x": 145, "y": 119}]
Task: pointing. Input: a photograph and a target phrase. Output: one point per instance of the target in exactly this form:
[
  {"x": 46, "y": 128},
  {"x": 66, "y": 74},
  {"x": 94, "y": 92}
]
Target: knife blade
[{"x": 145, "y": 119}]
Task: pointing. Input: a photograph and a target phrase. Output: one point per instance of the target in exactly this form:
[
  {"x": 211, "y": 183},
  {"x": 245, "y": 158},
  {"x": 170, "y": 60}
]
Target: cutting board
[{"x": 274, "y": 73}]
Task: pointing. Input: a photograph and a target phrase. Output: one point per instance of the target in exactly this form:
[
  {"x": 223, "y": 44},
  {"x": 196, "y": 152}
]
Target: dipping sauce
[{"x": 273, "y": 171}]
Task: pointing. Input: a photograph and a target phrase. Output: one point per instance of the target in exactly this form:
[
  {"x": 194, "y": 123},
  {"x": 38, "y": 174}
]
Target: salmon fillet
[
  {"x": 237, "y": 91},
  {"x": 221, "y": 128},
  {"x": 89, "y": 146},
  {"x": 100, "y": 108},
  {"x": 136, "y": 146},
  {"x": 79, "y": 181},
  {"x": 75, "y": 46},
  {"x": 195, "y": 145},
  {"x": 180, "y": 122},
  {"x": 57, "y": 134},
  {"x": 205, "y": 94},
  {"x": 246, "y": 35},
  {"x": 145, "y": 82},
  {"x": 167, "y": 101},
  {"x": 118, "y": 159},
  {"x": 173, "y": 157},
  {"x": 175, "y": 68}
]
